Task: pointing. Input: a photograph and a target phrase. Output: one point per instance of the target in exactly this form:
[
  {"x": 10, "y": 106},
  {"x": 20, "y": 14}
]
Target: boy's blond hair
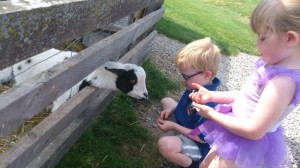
[
  {"x": 202, "y": 55},
  {"x": 276, "y": 16}
]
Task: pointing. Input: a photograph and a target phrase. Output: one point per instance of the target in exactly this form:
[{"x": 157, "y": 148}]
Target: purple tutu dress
[{"x": 271, "y": 150}]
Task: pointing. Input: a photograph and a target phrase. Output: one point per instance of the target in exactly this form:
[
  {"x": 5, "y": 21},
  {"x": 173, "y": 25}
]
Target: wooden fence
[{"x": 28, "y": 29}]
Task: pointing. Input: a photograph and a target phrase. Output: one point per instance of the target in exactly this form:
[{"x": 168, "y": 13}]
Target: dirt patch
[
  {"x": 147, "y": 118},
  {"x": 162, "y": 56}
]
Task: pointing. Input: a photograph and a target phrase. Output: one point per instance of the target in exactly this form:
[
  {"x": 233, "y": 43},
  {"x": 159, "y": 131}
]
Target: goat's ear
[{"x": 116, "y": 71}]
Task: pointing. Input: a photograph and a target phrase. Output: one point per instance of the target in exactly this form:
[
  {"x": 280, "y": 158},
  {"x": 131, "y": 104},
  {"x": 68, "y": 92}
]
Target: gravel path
[{"x": 232, "y": 75}]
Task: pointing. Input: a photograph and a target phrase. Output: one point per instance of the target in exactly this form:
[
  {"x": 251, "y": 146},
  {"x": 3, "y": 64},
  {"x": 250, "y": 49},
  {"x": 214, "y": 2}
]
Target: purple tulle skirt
[{"x": 269, "y": 152}]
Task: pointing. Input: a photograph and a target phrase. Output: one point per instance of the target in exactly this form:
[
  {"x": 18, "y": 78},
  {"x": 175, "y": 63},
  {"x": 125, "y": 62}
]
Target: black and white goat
[
  {"x": 34, "y": 65},
  {"x": 38, "y": 63},
  {"x": 128, "y": 78}
]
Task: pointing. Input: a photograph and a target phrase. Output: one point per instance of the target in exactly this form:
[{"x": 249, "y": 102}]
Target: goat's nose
[{"x": 146, "y": 95}]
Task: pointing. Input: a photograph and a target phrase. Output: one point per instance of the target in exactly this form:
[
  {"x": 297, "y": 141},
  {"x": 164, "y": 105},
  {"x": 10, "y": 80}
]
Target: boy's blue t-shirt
[{"x": 191, "y": 121}]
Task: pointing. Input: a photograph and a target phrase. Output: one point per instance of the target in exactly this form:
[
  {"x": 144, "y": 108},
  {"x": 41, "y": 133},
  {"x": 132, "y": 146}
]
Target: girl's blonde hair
[
  {"x": 276, "y": 16},
  {"x": 202, "y": 55}
]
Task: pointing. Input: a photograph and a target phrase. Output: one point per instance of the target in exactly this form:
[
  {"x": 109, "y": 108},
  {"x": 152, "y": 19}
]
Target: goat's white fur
[
  {"x": 103, "y": 78},
  {"x": 23, "y": 70},
  {"x": 47, "y": 59},
  {"x": 103, "y": 82},
  {"x": 39, "y": 63},
  {"x": 6, "y": 75}
]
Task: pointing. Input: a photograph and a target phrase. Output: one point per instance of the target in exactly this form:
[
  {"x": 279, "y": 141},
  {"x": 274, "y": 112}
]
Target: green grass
[
  {"x": 112, "y": 140},
  {"x": 225, "y": 21},
  {"x": 158, "y": 84},
  {"x": 115, "y": 138}
]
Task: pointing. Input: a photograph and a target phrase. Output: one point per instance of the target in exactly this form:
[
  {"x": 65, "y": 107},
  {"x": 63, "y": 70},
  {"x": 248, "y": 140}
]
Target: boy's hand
[
  {"x": 165, "y": 125},
  {"x": 165, "y": 114},
  {"x": 202, "y": 96}
]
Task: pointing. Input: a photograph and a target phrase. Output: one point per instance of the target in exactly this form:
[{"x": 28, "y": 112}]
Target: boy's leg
[
  {"x": 168, "y": 102},
  {"x": 190, "y": 148},
  {"x": 170, "y": 148}
]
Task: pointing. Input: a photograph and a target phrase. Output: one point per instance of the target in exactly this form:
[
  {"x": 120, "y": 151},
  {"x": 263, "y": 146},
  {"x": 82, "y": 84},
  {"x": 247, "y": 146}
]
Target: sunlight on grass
[
  {"x": 116, "y": 139},
  {"x": 112, "y": 140},
  {"x": 242, "y": 7},
  {"x": 158, "y": 91},
  {"x": 226, "y": 22}
]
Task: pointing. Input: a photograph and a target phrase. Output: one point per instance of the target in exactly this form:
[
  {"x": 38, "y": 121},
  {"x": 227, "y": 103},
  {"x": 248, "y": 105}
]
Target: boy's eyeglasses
[{"x": 186, "y": 77}]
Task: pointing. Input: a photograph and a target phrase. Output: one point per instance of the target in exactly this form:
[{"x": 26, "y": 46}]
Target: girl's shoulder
[{"x": 265, "y": 73}]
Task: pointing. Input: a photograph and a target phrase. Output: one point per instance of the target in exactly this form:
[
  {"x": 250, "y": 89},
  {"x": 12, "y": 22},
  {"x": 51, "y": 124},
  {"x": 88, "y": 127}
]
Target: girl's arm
[
  {"x": 204, "y": 96},
  {"x": 223, "y": 97},
  {"x": 276, "y": 96}
]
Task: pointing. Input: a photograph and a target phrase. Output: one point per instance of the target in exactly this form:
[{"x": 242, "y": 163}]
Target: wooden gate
[{"x": 29, "y": 29}]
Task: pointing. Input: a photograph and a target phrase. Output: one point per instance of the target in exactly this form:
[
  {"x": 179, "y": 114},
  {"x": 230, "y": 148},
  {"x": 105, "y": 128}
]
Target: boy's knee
[
  {"x": 169, "y": 147},
  {"x": 163, "y": 144},
  {"x": 165, "y": 100},
  {"x": 168, "y": 102}
]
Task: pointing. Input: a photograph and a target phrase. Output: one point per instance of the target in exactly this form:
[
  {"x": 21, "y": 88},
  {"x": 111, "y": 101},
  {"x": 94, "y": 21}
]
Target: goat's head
[{"x": 132, "y": 81}]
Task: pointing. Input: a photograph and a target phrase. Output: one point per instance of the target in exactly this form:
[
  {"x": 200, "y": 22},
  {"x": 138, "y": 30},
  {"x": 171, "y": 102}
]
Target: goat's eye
[{"x": 132, "y": 82}]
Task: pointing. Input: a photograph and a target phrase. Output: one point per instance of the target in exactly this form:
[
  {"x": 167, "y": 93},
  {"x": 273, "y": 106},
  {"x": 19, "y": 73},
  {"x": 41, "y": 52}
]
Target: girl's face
[
  {"x": 272, "y": 48},
  {"x": 190, "y": 75}
]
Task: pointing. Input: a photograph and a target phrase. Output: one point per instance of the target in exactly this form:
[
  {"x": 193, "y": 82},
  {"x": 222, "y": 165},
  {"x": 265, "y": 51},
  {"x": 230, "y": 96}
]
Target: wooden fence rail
[
  {"x": 46, "y": 132},
  {"x": 44, "y": 25},
  {"x": 32, "y": 96},
  {"x": 46, "y": 143}
]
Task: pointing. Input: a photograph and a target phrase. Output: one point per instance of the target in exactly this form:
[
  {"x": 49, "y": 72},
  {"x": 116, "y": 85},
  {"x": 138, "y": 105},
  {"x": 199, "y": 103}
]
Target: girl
[{"x": 251, "y": 134}]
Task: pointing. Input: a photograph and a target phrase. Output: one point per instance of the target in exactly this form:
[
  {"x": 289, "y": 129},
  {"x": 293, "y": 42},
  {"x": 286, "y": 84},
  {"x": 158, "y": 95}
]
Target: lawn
[
  {"x": 225, "y": 21},
  {"x": 115, "y": 139}
]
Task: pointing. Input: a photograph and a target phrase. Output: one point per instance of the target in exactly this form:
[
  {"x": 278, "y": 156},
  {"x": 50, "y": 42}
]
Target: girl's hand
[
  {"x": 165, "y": 114},
  {"x": 165, "y": 125},
  {"x": 203, "y": 110},
  {"x": 202, "y": 96}
]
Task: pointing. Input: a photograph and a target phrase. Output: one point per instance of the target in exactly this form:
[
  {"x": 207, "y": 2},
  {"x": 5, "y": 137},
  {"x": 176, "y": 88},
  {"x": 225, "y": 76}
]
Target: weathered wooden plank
[
  {"x": 55, "y": 151},
  {"x": 24, "y": 101},
  {"x": 28, "y": 29},
  {"x": 138, "y": 54},
  {"x": 153, "y": 7},
  {"x": 57, "y": 148},
  {"x": 39, "y": 137},
  {"x": 61, "y": 144}
]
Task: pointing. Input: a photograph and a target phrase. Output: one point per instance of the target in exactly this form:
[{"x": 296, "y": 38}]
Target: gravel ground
[{"x": 232, "y": 75}]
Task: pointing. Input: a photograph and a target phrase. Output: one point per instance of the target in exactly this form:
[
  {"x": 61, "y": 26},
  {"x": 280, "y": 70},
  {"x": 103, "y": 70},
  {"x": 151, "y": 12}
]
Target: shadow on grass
[
  {"x": 186, "y": 35},
  {"x": 115, "y": 138}
]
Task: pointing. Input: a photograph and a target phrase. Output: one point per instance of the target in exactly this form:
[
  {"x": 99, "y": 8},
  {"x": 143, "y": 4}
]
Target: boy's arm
[{"x": 185, "y": 131}]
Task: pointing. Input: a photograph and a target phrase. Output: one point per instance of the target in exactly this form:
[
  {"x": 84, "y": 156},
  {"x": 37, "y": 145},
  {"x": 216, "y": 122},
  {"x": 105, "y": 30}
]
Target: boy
[{"x": 198, "y": 62}]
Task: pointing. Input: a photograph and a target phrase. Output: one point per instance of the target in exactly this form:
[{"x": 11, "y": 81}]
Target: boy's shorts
[{"x": 190, "y": 148}]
